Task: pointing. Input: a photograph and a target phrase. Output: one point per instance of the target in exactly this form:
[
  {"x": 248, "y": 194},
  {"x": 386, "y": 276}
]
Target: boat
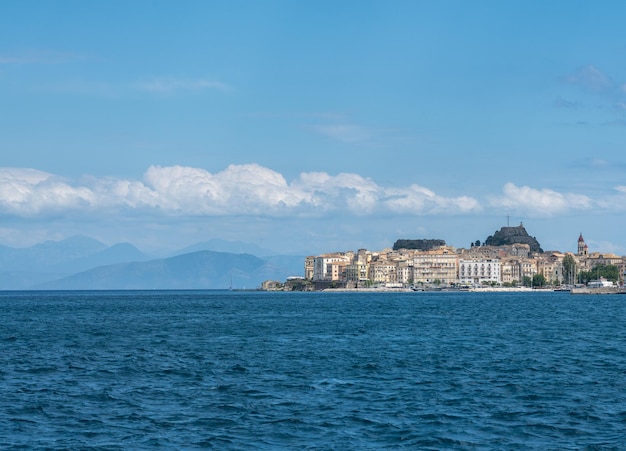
[
  {"x": 600, "y": 283},
  {"x": 599, "y": 286}
]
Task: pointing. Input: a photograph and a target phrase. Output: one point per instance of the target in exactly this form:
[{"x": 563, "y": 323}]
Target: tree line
[{"x": 571, "y": 276}]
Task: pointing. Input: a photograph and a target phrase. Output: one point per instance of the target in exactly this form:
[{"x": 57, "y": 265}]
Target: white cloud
[
  {"x": 28, "y": 191},
  {"x": 621, "y": 188},
  {"x": 238, "y": 190},
  {"x": 422, "y": 200},
  {"x": 615, "y": 202},
  {"x": 344, "y": 192},
  {"x": 254, "y": 190},
  {"x": 23, "y": 175},
  {"x": 540, "y": 202}
]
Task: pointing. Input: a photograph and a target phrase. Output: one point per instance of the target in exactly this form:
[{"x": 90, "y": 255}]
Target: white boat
[
  {"x": 600, "y": 286},
  {"x": 600, "y": 283}
]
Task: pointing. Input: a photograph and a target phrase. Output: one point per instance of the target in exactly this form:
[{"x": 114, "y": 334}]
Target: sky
[{"x": 312, "y": 126}]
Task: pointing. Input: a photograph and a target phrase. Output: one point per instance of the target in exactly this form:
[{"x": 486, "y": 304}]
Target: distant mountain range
[
  {"x": 232, "y": 247},
  {"x": 85, "y": 263}
]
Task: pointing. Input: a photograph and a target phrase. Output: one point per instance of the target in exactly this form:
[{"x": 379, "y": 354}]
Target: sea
[{"x": 252, "y": 370}]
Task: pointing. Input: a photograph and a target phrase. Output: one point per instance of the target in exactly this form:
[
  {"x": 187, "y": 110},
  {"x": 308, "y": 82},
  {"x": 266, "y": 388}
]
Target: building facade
[{"x": 479, "y": 271}]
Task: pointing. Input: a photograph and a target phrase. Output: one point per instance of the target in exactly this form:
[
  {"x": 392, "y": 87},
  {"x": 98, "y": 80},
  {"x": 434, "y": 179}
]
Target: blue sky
[{"x": 312, "y": 126}]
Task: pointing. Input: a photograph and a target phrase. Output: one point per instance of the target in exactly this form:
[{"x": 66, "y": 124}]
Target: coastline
[{"x": 408, "y": 290}]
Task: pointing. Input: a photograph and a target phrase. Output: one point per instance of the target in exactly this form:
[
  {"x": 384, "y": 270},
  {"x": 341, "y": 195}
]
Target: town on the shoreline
[{"x": 508, "y": 259}]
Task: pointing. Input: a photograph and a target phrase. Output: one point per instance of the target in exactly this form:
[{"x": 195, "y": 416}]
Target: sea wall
[{"x": 600, "y": 290}]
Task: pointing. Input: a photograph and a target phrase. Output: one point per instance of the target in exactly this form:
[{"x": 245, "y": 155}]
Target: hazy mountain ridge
[
  {"x": 85, "y": 263},
  {"x": 118, "y": 253},
  {"x": 231, "y": 247},
  {"x": 196, "y": 270},
  {"x": 49, "y": 254}
]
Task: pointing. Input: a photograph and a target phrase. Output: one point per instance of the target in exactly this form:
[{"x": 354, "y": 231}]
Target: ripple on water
[{"x": 229, "y": 370}]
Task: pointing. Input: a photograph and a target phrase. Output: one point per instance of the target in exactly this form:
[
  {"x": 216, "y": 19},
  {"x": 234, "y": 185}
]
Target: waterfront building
[
  {"x": 326, "y": 267},
  {"x": 383, "y": 272},
  {"x": 337, "y": 271},
  {"x": 437, "y": 265},
  {"x": 550, "y": 266},
  {"x": 479, "y": 271},
  {"x": 526, "y": 267},
  {"x": 405, "y": 272},
  {"x": 356, "y": 272},
  {"x": 309, "y": 265},
  {"x": 506, "y": 272}
]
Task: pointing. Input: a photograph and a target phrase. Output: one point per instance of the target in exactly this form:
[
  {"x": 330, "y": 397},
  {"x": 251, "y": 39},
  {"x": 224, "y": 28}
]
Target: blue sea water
[{"x": 327, "y": 371}]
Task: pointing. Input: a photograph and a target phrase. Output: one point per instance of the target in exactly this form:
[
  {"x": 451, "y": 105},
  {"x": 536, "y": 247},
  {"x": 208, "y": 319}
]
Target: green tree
[
  {"x": 585, "y": 276},
  {"x": 569, "y": 269},
  {"x": 609, "y": 272},
  {"x": 539, "y": 280},
  {"x": 526, "y": 281}
]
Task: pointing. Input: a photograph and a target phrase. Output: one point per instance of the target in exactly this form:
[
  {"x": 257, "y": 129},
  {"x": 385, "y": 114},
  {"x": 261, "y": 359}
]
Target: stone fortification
[
  {"x": 513, "y": 235},
  {"x": 421, "y": 245}
]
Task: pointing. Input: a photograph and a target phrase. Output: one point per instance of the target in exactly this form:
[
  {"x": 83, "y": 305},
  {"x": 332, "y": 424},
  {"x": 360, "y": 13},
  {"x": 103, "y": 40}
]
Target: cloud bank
[
  {"x": 540, "y": 202},
  {"x": 255, "y": 190}
]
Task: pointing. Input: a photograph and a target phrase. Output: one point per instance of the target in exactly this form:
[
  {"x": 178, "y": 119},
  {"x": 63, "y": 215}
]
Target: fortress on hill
[
  {"x": 513, "y": 235},
  {"x": 508, "y": 257}
]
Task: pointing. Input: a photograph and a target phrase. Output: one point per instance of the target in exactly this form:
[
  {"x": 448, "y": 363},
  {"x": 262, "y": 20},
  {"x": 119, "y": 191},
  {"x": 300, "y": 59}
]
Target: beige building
[
  {"x": 383, "y": 272},
  {"x": 405, "y": 272},
  {"x": 506, "y": 272},
  {"x": 596, "y": 259},
  {"x": 438, "y": 265},
  {"x": 550, "y": 266}
]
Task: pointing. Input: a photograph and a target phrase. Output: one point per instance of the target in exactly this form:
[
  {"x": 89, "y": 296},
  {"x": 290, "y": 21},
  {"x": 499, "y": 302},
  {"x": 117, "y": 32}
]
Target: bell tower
[{"x": 583, "y": 250}]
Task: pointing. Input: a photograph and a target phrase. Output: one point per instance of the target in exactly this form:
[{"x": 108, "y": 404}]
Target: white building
[
  {"x": 326, "y": 267},
  {"x": 477, "y": 271}
]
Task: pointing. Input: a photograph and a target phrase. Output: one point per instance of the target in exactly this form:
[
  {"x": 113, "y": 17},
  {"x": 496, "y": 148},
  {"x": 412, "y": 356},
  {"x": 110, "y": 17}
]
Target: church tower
[{"x": 583, "y": 250}]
